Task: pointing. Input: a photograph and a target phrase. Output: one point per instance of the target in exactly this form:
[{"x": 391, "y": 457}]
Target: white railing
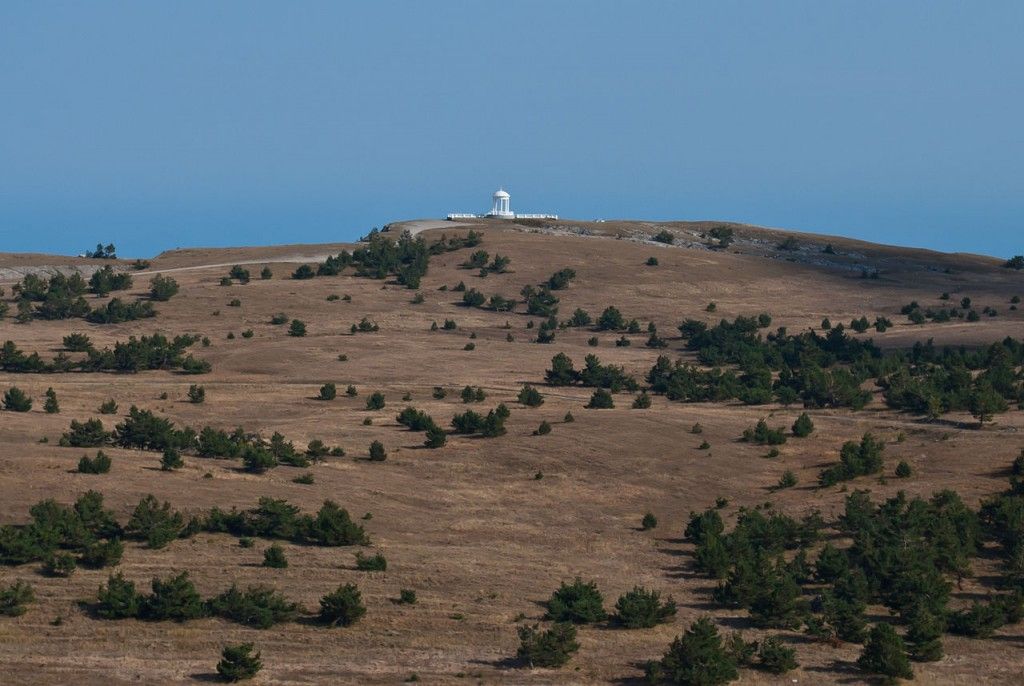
[{"x": 466, "y": 215}]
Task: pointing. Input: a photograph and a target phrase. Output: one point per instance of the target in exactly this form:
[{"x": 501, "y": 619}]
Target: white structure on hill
[
  {"x": 501, "y": 208},
  {"x": 500, "y": 204}
]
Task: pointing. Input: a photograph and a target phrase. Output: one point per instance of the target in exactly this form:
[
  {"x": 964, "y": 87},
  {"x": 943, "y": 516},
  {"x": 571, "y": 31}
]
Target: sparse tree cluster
[{"x": 133, "y": 355}]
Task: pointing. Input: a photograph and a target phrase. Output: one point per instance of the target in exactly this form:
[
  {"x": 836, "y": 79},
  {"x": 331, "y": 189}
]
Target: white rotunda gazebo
[
  {"x": 500, "y": 204},
  {"x": 500, "y": 208}
]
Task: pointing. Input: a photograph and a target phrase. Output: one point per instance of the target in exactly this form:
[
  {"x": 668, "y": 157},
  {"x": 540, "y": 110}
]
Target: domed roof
[{"x": 500, "y": 193}]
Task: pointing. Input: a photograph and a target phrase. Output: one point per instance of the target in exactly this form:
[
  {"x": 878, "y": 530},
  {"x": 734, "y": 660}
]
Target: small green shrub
[
  {"x": 60, "y": 565},
  {"x": 377, "y": 452},
  {"x": 171, "y": 460},
  {"x": 371, "y": 563},
  {"x": 775, "y": 657},
  {"x": 803, "y": 426},
  {"x": 118, "y": 599},
  {"x": 196, "y": 394},
  {"x": 100, "y": 554},
  {"x": 697, "y": 657},
  {"x": 274, "y": 557},
  {"x": 257, "y": 606},
  {"x": 762, "y": 435},
  {"x": 51, "y": 406},
  {"x": 642, "y": 609},
  {"x": 601, "y": 400},
  {"x": 530, "y": 396},
  {"x": 547, "y": 648},
  {"x": 342, "y": 607},
  {"x": 174, "y": 598},
  {"x": 16, "y": 400},
  {"x": 162, "y": 288},
  {"x": 238, "y": 662},
  {"x": 787, "y": 480},
  {"x": 96, "y": 465},
  {"x": 578, "y": 602}
]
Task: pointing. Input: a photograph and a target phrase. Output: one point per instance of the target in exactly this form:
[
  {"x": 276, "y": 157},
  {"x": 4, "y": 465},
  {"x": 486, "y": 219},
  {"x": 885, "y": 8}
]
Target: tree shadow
[
  {"x": 206, "y": 677},
  {"x": 673, "y": 541},
  {"x": 852, "y": 673},
  {"x": 632, "y": 680},
  {"x": 505, "y": 663},
  {"x": 681, "y": 572}
]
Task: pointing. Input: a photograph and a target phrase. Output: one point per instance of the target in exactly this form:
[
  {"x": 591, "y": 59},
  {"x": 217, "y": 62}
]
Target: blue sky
[{"x": 159, "y": 125}]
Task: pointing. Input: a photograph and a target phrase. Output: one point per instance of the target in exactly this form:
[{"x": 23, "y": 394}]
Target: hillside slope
[{"x": 484, "y": 529}]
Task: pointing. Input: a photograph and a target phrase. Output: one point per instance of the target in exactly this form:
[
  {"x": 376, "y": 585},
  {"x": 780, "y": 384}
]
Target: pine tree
[
  {"x": 14, "y": 597},
  {"x": 436, "y": 437},
  {"x": 342, "y": 607},
  {"x": 16, "y": 400},
  {"x": 51, "y": 406},
  {"x": 239, "y": 663},
  {"x": 530, "y": 396},
  {"x": 118, "y": 599},
  {"x": 696, "y": 657},
  {"x": 885, "y": 654},
  {"x": 171, "y": 460},
  {"x": 174, "y": 598},
  {"x": 578, "y": 602},
  {"x": 985, "y": 402},
  {"x": 803, "y": 426},
  {"x": 601, "y": 400},
  {"x": 377, "y": 452},
  {"x": 924, "y": 636},
  {"x": 274, "y": 557},
  {"x": 551, "y": 648},
  {"x": 642, "y": 609},
  {"x": 775, "y": 657}
]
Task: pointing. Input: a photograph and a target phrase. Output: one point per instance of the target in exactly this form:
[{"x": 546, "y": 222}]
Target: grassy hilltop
[{"x": 754, "y": 397}]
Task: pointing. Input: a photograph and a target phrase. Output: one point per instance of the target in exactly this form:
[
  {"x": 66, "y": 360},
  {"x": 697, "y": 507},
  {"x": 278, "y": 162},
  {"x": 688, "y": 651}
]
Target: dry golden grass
[{"x": 468, "y": 526}]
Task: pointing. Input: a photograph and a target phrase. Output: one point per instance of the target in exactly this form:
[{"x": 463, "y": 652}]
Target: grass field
[{"x": 470, "y": 527}]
